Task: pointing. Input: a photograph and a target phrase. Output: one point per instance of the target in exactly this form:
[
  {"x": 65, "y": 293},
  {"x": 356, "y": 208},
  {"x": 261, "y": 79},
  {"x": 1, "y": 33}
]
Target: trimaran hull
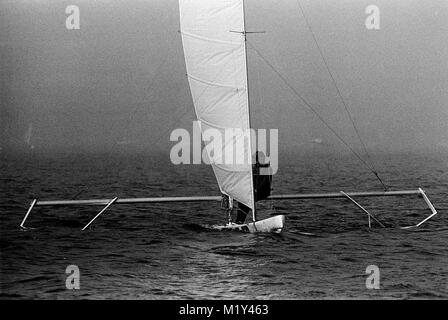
[{"x": 273, "y": 224}]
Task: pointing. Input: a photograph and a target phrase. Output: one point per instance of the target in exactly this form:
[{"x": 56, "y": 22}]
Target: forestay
[{"x": 215, "y": 56}]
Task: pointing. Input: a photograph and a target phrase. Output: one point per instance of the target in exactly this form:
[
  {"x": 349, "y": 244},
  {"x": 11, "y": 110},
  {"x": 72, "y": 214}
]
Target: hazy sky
[{"x": 121, "y": 77}]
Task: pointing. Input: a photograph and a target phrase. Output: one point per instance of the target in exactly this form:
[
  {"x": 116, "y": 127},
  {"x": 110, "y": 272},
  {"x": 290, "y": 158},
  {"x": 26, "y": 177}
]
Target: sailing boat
[{"x": 214, "y": 41}]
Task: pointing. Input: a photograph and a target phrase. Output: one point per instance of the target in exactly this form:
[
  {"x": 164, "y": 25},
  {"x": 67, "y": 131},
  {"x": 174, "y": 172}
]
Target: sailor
[{"x": 262, "y": 175}]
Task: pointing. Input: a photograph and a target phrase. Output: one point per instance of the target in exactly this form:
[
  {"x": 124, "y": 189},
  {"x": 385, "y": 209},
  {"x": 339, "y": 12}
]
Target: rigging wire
[
  {"x": 374, "y": 171},
  {"x": 152, "y": 82},
  {"x": 296, "y": 93}
]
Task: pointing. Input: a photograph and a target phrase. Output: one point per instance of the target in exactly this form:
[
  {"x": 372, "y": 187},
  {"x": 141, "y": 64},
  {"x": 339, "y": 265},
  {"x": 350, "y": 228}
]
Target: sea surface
[{"x": 167, "y": 251}]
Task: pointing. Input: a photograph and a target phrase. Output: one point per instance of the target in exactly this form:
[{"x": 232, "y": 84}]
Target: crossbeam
[
  {"x": 103, "y": 202},
  {"x": 334, "y": 195}
]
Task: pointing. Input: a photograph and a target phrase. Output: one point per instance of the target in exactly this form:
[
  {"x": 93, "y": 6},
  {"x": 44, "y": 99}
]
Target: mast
[{"x": 254, "y": 215}]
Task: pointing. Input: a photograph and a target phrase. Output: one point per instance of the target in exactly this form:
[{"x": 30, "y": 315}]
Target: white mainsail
[{"x": 215, "y": 56}]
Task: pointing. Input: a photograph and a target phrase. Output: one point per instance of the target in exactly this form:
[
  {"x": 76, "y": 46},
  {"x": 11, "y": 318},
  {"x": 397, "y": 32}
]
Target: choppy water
[{"x": 162, "y": 252}]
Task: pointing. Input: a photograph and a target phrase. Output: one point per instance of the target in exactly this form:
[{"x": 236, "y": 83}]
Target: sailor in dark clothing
[{"x": 262, "y": 176}]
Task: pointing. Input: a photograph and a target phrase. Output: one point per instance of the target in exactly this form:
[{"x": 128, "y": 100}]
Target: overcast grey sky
[{"x": 121, "y": 77}]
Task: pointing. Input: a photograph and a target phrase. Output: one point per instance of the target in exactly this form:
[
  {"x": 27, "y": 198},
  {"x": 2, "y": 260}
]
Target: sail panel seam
[
  {"x": 196, "y": 36},
  {"x": 218, "y": 126},
  {"x": 245, "y": 170},
  {"x": 189, "y": 75}
]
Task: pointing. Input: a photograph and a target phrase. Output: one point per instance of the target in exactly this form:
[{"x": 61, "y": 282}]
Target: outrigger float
[{"x": 273, "y": 224}]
